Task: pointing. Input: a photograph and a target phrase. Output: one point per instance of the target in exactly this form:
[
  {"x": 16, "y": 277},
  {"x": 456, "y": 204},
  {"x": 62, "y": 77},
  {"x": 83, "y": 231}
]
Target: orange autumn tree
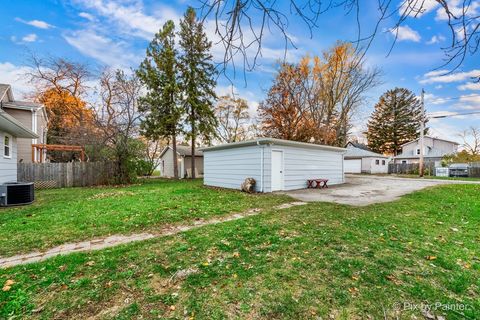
[
  {"x": 69, "y": 117},
  {"x": 61, "y": 85},
  {"x": 314, "y": 100}
]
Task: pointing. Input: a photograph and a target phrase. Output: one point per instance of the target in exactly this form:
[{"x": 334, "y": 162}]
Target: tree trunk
[
  {"x": 175, "y": 160},
  {"x": 193, "y": 141}
]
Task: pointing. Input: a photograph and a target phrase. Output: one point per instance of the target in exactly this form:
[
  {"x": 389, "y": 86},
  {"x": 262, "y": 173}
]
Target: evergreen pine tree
[
  {"x": 197, "y": 80},
  {"x": 395, "y": 121},
  {"x": 159, "y": 73}
]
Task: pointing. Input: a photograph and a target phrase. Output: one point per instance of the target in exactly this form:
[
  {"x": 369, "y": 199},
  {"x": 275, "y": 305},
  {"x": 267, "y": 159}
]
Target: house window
[
  {"x": 383, "y": 162},
  {"x": 377, "y": 162},
  {"x": 7, "y": 146},
  {"x": 404, "y": 161},
  {"x": 418, "y": 151}
]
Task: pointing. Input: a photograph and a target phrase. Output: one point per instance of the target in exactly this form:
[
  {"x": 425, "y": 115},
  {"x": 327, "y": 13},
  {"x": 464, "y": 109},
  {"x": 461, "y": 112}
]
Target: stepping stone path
[{"x": 115, "y": 240}]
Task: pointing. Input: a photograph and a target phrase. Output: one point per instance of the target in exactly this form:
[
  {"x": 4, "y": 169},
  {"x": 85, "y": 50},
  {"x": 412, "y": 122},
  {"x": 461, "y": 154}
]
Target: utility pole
[{"x": 422, "y": 130}]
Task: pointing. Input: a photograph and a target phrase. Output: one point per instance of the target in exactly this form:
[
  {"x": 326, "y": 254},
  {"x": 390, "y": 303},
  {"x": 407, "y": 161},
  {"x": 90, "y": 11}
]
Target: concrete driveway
[{"x": 362, "y": 190}]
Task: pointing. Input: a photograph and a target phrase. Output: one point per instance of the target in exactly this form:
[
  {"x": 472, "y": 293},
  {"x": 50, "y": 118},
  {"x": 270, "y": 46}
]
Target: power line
[
  {"x": 453, "y": 98},
  {"x": 454, "y": 115}
]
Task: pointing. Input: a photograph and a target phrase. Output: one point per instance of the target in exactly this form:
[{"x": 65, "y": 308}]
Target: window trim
[
  {"x": 377, "y": 162},
  {"x": 5, "y": 136}
]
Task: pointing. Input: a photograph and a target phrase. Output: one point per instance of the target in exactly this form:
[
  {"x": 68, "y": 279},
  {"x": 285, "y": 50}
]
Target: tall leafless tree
[
  {"x": 471, "y": 140},
  {"x": 118, "y": 118},
  {"x": 242, "y": 25}
]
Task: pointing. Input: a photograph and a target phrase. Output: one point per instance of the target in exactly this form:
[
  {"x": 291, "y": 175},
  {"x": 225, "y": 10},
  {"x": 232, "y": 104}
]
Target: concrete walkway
[{"x": 115, "y": 240}]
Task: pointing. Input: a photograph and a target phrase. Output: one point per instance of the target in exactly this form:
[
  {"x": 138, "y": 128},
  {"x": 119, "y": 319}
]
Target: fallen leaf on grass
[
  {"x": 454, "y": 229},
  {"x": 236, "y": 254},
  {"x": 393, "y": 279},
  {"x": 8, "y": 285},
  {"x": 90, "y": 263},
  {"x": 430, "y": 257},
  {"x": 353, "y": 290},
  {"x": 355, "y": 278}
]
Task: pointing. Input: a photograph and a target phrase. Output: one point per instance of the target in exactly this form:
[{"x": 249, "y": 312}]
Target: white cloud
[
  {"x": 32, "y": 37},
  {"x": 405, "y": 33},
  {"x": 417, "y": 8},
  {"x": 103, "y": 49},
  {"x": 86, "y": 15},
  {"x": 441, "y": 76},
  {"x": 456, "y": 8},
  {"x": 36, "y": 23},
  {"x": 471, "y": 98},
  {"x": 436, "y": 39},
  {"x": 469, "y": 86},
  {"x": 15, "y": 76},
  {"x": 131, "y": 17}
]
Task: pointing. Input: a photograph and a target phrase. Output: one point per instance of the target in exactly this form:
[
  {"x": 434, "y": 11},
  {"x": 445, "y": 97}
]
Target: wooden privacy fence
[
  {"x": 411, "y": 168},
  {"x": 474, "y": 170},
  {"x": 69, "y": 174}
]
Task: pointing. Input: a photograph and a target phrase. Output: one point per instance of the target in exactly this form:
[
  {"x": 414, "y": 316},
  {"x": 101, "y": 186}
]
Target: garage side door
[{"x": 353, "y": 166}]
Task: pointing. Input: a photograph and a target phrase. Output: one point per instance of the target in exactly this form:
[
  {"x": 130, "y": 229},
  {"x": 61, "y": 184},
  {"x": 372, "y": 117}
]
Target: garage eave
[{"x": 273, "y": 141}]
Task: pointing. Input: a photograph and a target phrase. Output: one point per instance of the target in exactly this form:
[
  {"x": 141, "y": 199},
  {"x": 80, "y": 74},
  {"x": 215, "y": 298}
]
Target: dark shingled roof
[
  {"x": 359, "y": 146},
  {"x": 187, "y": 151}
]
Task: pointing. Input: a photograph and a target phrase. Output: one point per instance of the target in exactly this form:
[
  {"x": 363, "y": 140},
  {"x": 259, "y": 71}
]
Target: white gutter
[{"x": 261, "y": 165}]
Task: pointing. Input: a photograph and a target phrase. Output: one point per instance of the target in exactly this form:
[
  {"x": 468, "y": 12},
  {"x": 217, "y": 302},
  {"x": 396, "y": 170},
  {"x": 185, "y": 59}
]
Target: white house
[
  {"x": 184, "y": 158},
  {"x": 359, "y": 159},
  {"x": 275, "y": 164},
  {"x": 10, "y": 130},
  {"x": 434, "y": 150}
]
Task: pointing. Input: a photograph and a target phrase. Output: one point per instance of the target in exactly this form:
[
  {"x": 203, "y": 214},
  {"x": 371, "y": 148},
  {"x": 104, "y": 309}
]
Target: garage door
[{"x": 353, "y": 166}]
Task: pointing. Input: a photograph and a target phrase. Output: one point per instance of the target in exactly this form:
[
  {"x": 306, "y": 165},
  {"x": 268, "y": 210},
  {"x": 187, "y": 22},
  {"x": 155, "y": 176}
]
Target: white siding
[
  {"x": 168, "y": 164},
  {"x": 228, "y": 168},
  {"x": 369, "y": 165},
  {"x": 301, "y": 164},
  {"x": 8, "y": 166},
  {"x": 353, "y": 165}
]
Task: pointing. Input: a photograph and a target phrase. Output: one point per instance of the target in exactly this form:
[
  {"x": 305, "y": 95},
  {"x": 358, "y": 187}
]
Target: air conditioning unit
[{"x": 16, "y": 193}]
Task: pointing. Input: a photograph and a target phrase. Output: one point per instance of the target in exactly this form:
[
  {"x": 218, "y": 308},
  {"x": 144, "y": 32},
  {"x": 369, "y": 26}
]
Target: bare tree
[
  {"x": 152, "y": 153},
  {"x": 59, "y": 74},
  {"x": 118, "y": 118},
  {"x": 315, "y": 99},
  {"x": 471, "y": 140},
  {"x": 242, "y": 25},
  {"x": 234, "y": 122}
]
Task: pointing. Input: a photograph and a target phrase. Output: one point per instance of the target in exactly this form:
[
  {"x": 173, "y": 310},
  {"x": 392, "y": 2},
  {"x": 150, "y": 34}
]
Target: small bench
[{"x": 317, "y": 183}]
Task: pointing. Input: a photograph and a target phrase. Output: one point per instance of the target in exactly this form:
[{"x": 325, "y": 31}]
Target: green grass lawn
[
  {"x": 74, "y": 214},
  {"x": 319, "y": 261}
]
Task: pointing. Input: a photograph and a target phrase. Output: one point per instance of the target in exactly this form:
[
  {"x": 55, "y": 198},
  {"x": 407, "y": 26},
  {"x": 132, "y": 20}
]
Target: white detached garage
[{"x": 275, "y": 164}]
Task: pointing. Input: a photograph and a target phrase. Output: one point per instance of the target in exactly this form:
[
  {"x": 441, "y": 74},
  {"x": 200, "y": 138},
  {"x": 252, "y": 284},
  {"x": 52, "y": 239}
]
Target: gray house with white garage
[{"x": 274, "y": 164}]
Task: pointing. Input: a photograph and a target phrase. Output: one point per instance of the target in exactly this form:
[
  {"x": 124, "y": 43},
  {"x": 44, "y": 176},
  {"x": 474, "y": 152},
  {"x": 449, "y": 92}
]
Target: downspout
[
  {"x": 261, "y": 165},
  {"x": 34, "y": 129}
]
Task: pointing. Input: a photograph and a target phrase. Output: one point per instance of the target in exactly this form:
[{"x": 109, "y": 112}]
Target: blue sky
[{"x": 116, "y": 33}]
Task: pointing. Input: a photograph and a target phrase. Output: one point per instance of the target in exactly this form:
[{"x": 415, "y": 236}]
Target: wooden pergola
[{"x": 57, "y": 147}]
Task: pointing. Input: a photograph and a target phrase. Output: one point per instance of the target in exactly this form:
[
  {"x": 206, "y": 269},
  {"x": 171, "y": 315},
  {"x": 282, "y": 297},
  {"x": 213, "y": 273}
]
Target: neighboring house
[
  {"x": 434, "y": 150},
  {"x": 11, "y": 131},
  {"x": 33, "y": 116},
  {"x": 359, "y": 159},
  {"x": 274, "y": 164},
  {"x": 184, "y": 158}
]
